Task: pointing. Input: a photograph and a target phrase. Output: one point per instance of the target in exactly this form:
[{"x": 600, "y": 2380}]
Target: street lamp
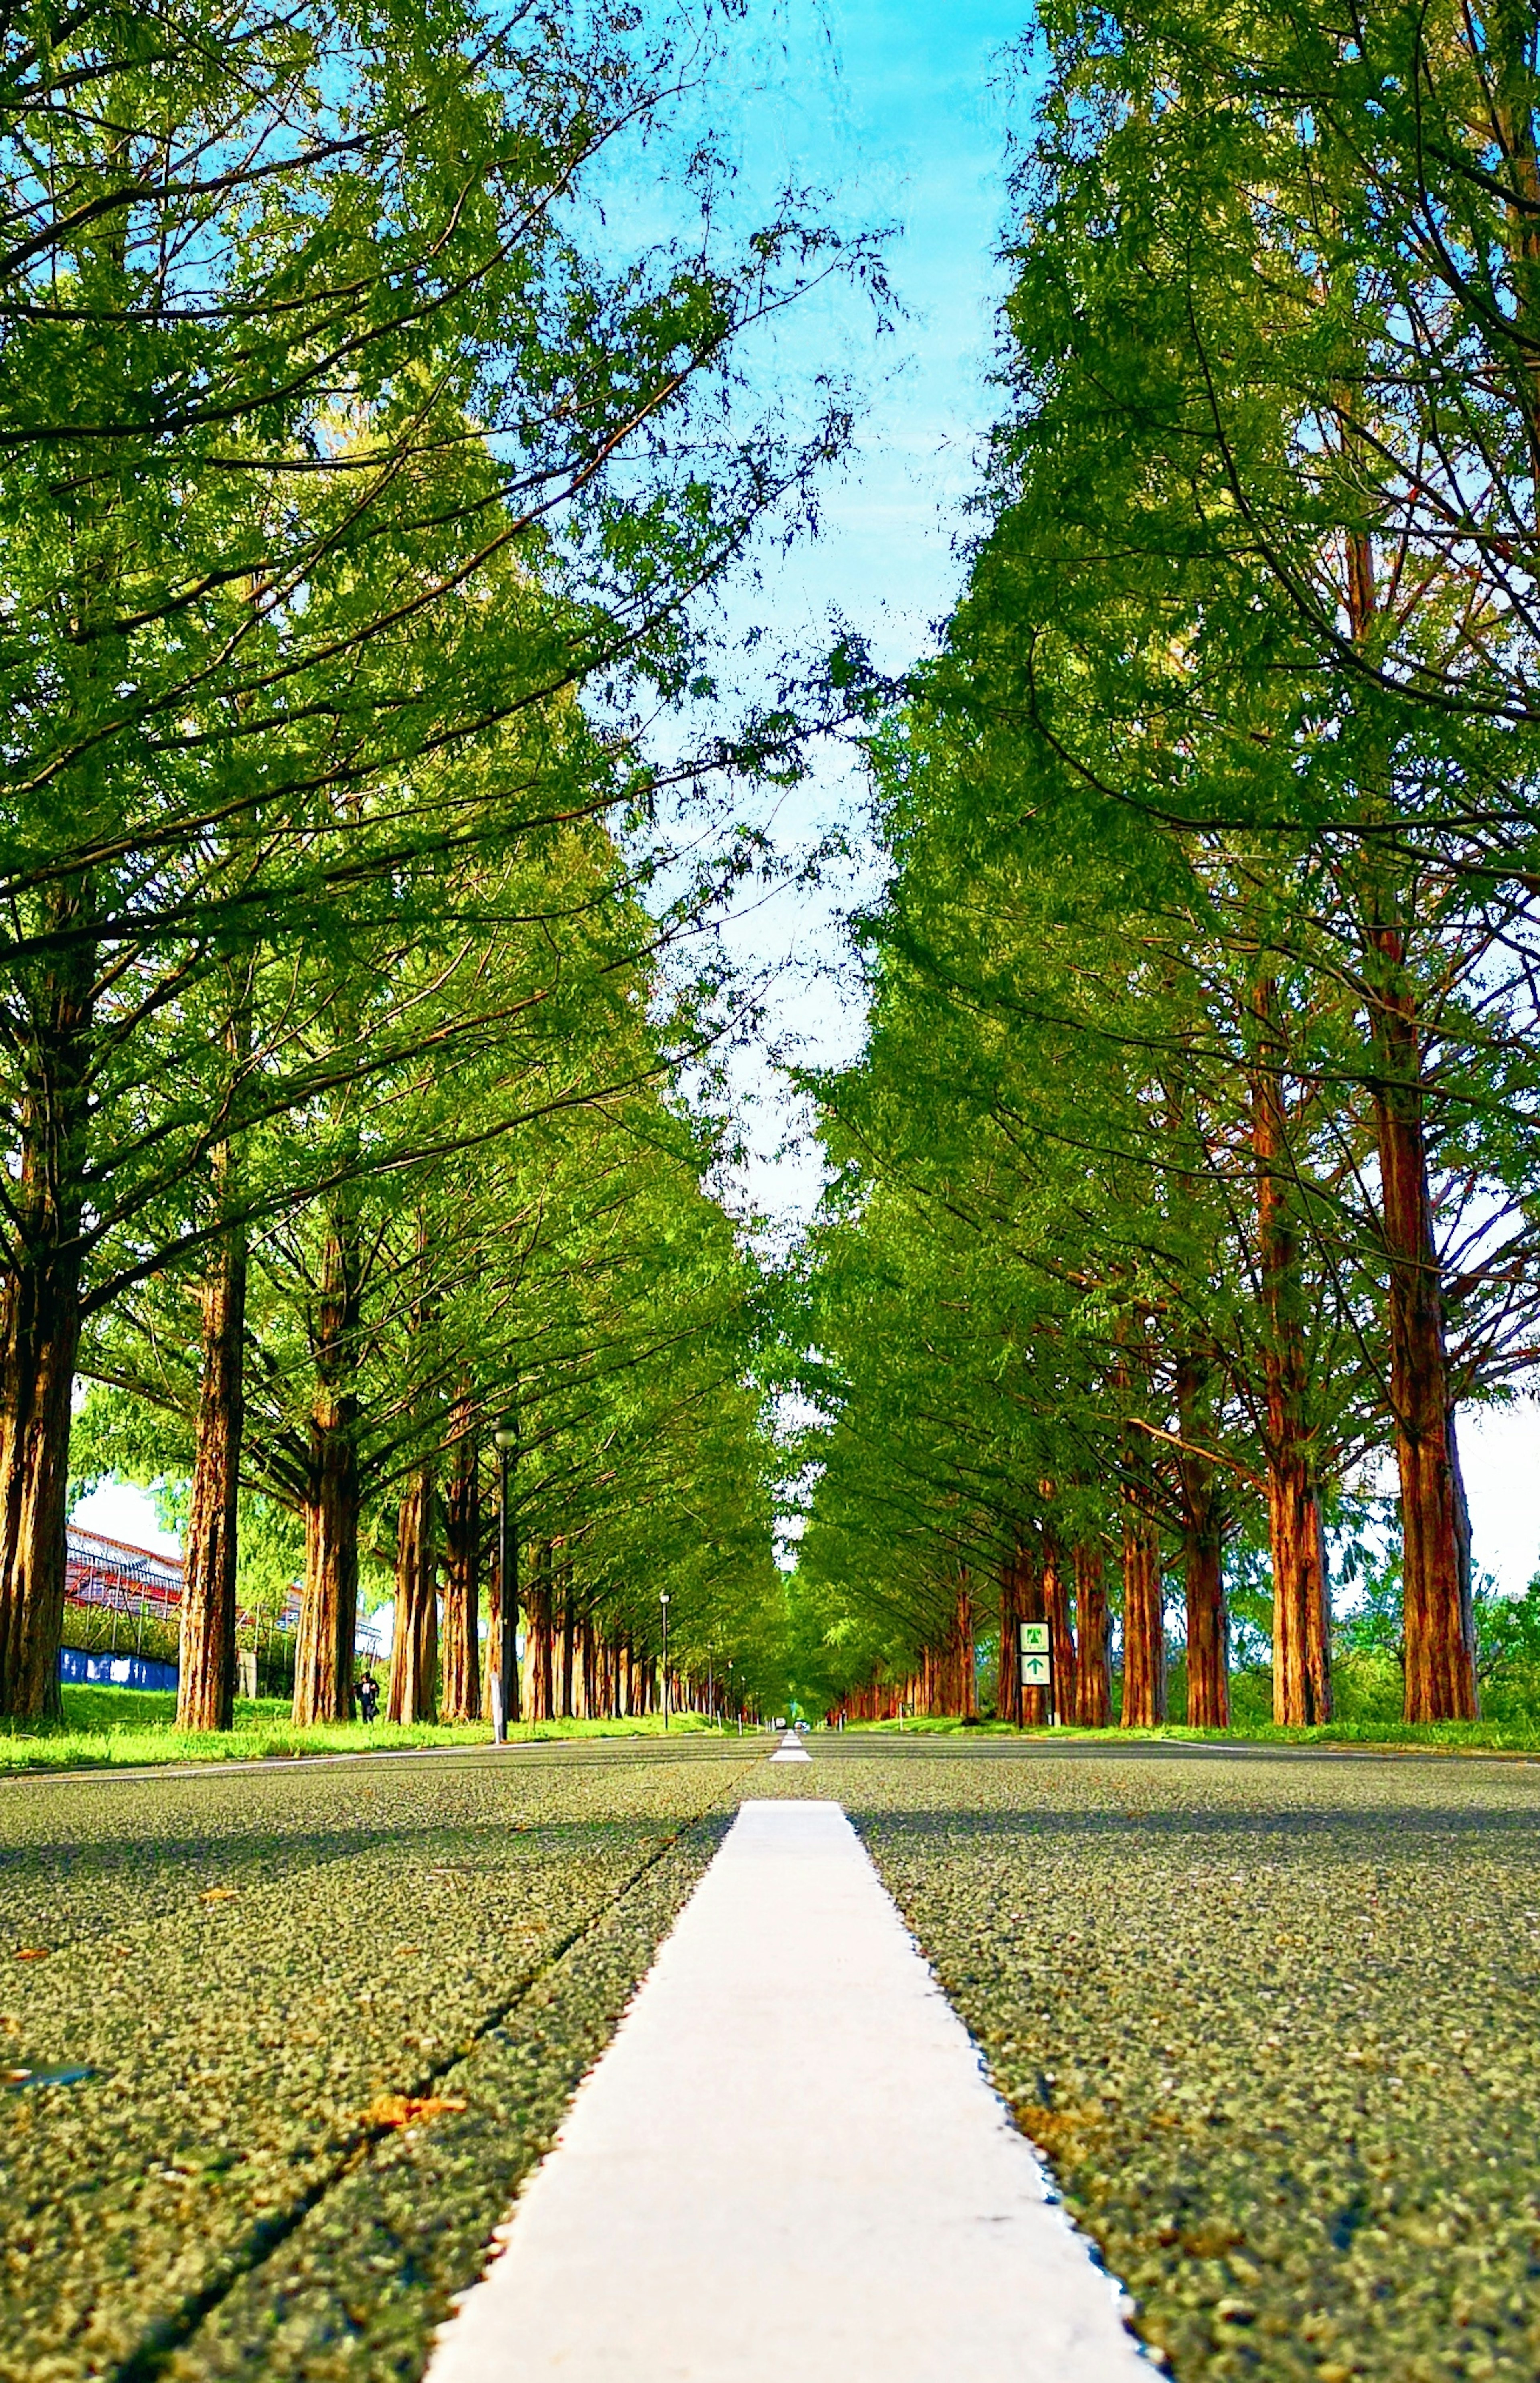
[
  {"x": 505, "y": 1687},
  {"x": 664, "y": 1601}
]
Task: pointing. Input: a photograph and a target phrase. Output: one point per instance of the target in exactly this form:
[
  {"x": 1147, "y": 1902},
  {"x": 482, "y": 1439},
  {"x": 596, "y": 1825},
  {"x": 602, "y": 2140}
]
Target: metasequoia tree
[
  {"x": 560, "y": 1254},
  {"x": 1299, "y": 538},
  {"x": 331, "y": 450},
  {"x": 1212, "y": 825}
]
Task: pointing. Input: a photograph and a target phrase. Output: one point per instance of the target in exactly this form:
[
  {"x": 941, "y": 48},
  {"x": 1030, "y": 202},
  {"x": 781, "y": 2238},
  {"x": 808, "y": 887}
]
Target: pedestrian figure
[{"x": 368, "y": 1697}]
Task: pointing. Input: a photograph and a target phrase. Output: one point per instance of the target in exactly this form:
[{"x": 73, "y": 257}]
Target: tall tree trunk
[
  {"x": 1143, "y": 1625},
  {"x": 542, "y": 1622},
  {"x": 40, "y": 1326},
  {"x": 414, "y": 1645},
  {"x": 323, "y": 1651},
  {"x": 41, "y": 1335},
  {"x": 1439, "y": 1616},
  {"x": 460, "y": 1692},
  {"x": 205, "y": 1683},
  {"x": 569, "y": 1634},
  {"x": 1093, "y": 1669},
  {"x": 1207, "y": 1630},
  {"x": 1143, "y": 1593},
  {"x": 1060, "y": 1635},
  {"x": 1302, "y": 1612},
  {"x": 1439, "y": 1624},
  {"x": 1036, "y": 1709},
  {"x": 328, "y": 1608},
  {"x": 1007, "y": 1693}
]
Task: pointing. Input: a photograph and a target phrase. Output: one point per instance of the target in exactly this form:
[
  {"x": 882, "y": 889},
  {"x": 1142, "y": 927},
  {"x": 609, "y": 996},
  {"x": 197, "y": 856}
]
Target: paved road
[
  {"x": 1274, "y": 2017},
  {"x": 906, "y": 2235},
  {"x": 1276, "y": 2021},
  {"x": 265, "y": 1972}
]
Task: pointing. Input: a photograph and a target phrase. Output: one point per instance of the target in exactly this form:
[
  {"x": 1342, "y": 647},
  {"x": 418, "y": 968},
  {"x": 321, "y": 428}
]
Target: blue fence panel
[{"x": 115, "y": 1671}]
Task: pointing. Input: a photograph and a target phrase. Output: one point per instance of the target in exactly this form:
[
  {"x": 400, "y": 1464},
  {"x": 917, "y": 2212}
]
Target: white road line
[{"x": 789, "y": 2156}]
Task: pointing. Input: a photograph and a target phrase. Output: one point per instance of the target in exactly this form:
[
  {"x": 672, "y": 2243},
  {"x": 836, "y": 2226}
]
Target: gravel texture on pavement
[
  {"x": 1273, "y": 2021},
  {"x": 332, "y": 2013}
]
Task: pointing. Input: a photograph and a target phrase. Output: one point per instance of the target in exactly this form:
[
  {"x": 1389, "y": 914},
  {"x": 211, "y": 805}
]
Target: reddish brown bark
[
  {"x": 414, "y": 1645},
  {"x": 951, "y": 1668},
  {"x": 459, "y": 1684},
  {"x": 1208, "y": 1633},
  {"x": 1301, "y": 1625},
  {"x": 1438, "y": 1619},
  {"x": 40, "y": 1332},
  {"x": 1037, "y": 1710},
  {"x": 328, "y": 1609},
  {"x": 1143, "y": 1625},
  {"x": 539, "y": 1620},
  {"x": 206, "y": 1681},
  {"x": 1094, "y": 1668},
  {"x": 569, "y": 1638},
  {"x": 1060, "y": 1635},
  {"x": 1007, "y": 1692}
]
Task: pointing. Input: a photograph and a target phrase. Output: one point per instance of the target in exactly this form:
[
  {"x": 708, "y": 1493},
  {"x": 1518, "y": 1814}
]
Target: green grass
[
  {"x": 112, "y": 1728},
  {"x": 1429, "y": 1737}
]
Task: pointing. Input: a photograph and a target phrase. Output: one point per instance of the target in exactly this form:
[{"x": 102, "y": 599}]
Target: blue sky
[{"x": 900, "y": 113}]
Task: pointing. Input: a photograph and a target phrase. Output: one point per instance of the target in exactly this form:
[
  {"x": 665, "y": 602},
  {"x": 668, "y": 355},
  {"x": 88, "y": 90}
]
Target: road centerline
[{"x": 789, "y": 2145}]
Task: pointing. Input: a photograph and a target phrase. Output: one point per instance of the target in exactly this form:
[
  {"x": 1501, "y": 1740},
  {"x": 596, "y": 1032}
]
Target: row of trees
[
  {"x": 1192, "y": 1165},
  {"x": 357, "y": 492},
  {"x": 578, "y": 1286}
]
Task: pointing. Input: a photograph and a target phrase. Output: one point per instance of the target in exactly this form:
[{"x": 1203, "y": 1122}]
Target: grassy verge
[
  {"x": 108, "y": 1728},
  {"x": 1430, "y": 1738}
]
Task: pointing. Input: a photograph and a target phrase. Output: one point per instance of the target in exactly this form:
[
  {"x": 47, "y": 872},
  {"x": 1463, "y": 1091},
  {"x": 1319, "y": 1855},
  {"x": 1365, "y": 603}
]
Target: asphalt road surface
[
  {"x": 332, "y": 2014},
  {"x": 1271, "y": 2015}
]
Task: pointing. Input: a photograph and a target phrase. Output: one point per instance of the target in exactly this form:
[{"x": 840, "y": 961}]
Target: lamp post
[
  {"x": 664, "y": 1601},
  {"x": 505, "y": 1687}
]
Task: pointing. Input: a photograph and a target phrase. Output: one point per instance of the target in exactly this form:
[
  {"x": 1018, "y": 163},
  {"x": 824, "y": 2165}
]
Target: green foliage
[
  {"x": 1508, "y": 1643},
  {"x": 362, "y": 491},
  {"x": 1211, "y": 829}
]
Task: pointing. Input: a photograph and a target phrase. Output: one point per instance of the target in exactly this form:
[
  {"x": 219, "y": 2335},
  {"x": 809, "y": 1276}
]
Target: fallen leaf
[
  {"x": 16, "y": 2078},
  {"x": 33, "y": 1952},
  {"x": 402, "y": 1950},
  {"x": 407, "y": 2110},
  {"x": 218, "y": 1895}
]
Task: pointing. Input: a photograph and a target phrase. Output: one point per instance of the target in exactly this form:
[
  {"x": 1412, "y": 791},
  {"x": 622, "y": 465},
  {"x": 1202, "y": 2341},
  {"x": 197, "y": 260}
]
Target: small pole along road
[{"x": 282, "y": 2045}]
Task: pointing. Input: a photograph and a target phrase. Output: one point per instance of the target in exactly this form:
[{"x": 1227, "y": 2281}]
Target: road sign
[
  {"x": 1034, "y": 1637},
  {"x": 1037, "y": 1670}
]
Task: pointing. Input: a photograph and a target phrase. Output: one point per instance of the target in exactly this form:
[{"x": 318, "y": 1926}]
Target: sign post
[{"x": 1037, "y": 1662}]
